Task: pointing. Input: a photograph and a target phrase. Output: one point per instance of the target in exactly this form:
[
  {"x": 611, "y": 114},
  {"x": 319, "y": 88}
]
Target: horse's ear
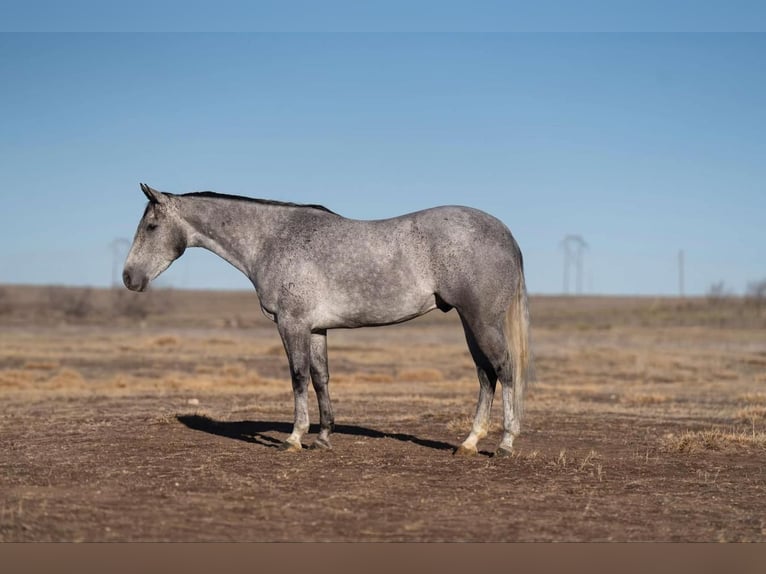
[{"x": 152, "y": 195}]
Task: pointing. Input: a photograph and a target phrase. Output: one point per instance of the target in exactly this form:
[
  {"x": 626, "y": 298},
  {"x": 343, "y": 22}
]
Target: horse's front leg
[
  {"x": 297, "y": 342},
  {"x": 320, "y": 377}
]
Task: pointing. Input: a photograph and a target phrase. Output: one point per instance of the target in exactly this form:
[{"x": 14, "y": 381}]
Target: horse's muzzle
[{"x": 133, "y": 283}]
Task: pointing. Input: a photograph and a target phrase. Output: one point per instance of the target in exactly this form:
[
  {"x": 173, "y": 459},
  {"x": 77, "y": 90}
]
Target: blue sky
[
  {"x": 643, "y": 143},
  {"x": 383, "y": 16}
]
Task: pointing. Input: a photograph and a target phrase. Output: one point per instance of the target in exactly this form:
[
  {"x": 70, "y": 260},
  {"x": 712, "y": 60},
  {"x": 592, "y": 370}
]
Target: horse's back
[
  {"x": 464, "y": 227},
  {"x": 450, "y": 244}
]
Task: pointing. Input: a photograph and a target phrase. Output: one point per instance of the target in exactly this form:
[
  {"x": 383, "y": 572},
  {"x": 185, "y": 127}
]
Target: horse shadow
[{"x": 256, "y": 431}]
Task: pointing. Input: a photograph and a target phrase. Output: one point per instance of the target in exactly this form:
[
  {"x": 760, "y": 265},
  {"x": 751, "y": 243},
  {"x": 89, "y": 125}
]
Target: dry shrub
[
  {"x": 420, "y": 375},
  {"x": 752, "y": 413},
  {"x": 590, "y": 465},
  {"x": 73, "y": 303},
  {"x": 714, "y": 439},
  {"x": 754, "y": 398},
  {"x": 521, "y": 455}
]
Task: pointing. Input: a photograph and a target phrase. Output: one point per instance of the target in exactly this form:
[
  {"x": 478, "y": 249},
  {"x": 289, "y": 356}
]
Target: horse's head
[{"x": 160, "y": 239}]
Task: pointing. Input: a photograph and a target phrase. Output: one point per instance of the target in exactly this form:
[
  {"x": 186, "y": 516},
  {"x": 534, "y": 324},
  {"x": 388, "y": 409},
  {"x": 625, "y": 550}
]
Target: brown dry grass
[
  {"x": 753, "y": 414},
  {"x": 715, "y": 439},
  {"x": 693, "y": 372}
]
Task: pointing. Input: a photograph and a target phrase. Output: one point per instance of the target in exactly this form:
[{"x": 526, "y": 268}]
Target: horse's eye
[{"x": 151, "y": 226}]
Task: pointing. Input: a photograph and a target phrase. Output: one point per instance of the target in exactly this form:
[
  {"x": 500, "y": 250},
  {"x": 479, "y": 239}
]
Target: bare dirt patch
[{"x": 646, "y": 423}]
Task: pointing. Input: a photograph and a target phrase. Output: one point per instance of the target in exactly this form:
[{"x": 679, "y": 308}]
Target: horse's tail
[{"x": 517, "y": 336}]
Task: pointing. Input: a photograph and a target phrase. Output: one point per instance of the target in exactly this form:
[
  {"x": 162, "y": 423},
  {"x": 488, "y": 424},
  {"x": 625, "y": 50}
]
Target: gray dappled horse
[{"x": 315, "y": 270}]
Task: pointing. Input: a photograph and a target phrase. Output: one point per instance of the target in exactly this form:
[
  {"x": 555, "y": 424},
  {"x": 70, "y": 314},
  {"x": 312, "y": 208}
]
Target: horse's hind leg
[
  {"x": 320, "y": 377},
  {"x": 487, "y": 384},
  {"x": 489, "y": 348},
  {"x": 511, "y": 424}
]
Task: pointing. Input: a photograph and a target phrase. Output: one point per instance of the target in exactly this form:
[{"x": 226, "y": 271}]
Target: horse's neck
[{"x": 230, "y": 229}]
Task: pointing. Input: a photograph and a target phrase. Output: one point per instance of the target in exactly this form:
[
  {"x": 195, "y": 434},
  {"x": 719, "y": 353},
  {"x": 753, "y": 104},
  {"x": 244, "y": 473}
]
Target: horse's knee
[{"x": 320, "y": 378}]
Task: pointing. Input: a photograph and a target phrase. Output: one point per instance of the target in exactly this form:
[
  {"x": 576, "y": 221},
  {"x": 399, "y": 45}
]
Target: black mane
[{"x": 253, "y": 199}]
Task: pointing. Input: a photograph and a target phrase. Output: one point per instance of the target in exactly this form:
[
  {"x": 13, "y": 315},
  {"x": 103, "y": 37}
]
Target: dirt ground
[{"x": 158, "y": 420}]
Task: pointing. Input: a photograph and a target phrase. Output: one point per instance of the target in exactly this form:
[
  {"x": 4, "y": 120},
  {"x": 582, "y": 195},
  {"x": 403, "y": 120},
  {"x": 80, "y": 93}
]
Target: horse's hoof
[
  {"x": 465, "y": 451},
  {"x": 288, "y": 446},
  {"x": 503, "y": 452},
  {"x": 321, "y": 444}
]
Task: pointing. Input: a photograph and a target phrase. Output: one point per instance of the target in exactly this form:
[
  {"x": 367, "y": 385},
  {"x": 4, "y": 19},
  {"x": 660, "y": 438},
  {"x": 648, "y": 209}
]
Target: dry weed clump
[
  {"x": 714, "y": 439},
  {"x": 591, "y": 464},
  {"x": 754, "y": 398},
  {"x": 752, "y": 413},
  {"x": 522, "y": 455}
]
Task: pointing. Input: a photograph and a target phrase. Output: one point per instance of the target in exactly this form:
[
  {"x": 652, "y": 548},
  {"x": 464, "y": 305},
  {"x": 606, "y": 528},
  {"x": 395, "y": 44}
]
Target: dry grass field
[{"x": 155, "y": 417}]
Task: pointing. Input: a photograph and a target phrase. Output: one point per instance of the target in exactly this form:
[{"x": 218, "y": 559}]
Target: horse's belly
[{"x": 350, "y": 312}]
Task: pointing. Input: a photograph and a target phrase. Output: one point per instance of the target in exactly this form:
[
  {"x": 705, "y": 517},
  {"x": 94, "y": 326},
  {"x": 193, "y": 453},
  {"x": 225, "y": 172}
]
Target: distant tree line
[{"x": 755, "y": 293}]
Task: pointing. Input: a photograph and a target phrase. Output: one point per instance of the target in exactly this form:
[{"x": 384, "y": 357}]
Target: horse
[{"x": 314, "y": 270}]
